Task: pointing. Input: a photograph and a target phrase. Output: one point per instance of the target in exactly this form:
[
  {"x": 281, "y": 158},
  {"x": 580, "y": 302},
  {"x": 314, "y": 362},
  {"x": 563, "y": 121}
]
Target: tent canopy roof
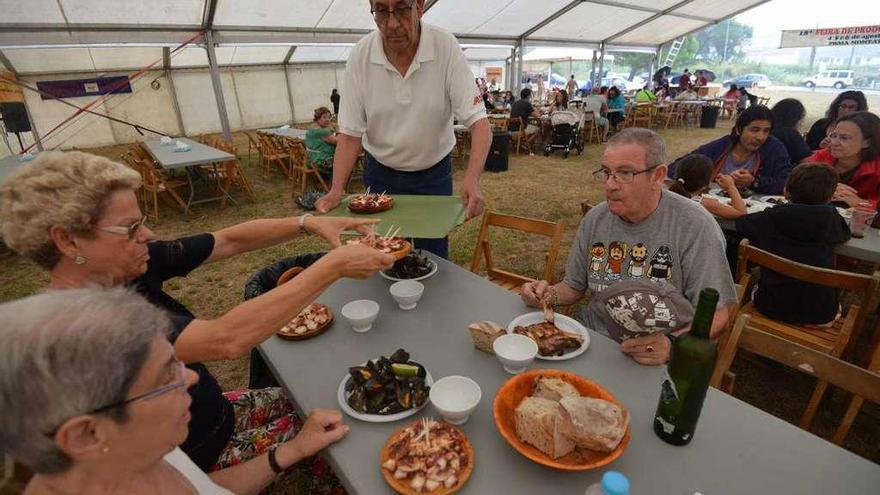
[{"x": 86, "y": 34}]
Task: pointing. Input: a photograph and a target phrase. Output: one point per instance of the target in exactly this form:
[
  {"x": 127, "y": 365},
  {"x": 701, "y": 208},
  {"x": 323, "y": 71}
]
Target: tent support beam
[
  {"x": 668, "y": 11},
  {"x": 286, "y": 68},
  {"x": 6, "y": 63},
  {"x": 210, "y": 10},
  {"x": 519, "y": 72},
  {"x": 429, "y": 4},
  {"x": 652, "y": 18},
  {"x": 598, "y": 81},
  {"x": 556, "y": 15},
  {"x": 166, "y": 63},
  {"x": 218, "y": 87}
]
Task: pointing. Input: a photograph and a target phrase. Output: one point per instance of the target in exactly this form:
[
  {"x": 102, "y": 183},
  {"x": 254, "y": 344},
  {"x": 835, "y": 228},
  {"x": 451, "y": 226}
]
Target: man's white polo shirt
[{"x": 406, "y": 121}]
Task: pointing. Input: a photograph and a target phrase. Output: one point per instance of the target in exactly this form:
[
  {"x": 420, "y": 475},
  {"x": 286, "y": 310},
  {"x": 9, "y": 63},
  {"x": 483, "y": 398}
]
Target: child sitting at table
[
  {"x": 805, "y": 230},
  {"x": 693, "y": 174}
]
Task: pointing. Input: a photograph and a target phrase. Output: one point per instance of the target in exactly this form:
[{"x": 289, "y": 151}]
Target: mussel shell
[
  {"x": 360, "y": 374},
  {"x": 376, "y": 402},
  {"x": 404, "y": 394},
  {"x": 374, "y": 385},
  {"x": 400, "y": 356},
  {"x": 357, "y": 399}
]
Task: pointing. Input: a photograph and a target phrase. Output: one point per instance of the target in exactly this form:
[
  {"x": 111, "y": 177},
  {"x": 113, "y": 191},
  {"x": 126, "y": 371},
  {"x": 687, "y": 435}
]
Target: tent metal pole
[
  {"x": 593, "y": 68},
  {"x": 166, "y": 62},
  {"x": 218, "y": 87},
  {"x": 601, "y": 63},
  {"x": 286, "y": 67},
  {"x": 519, "y": 72}
]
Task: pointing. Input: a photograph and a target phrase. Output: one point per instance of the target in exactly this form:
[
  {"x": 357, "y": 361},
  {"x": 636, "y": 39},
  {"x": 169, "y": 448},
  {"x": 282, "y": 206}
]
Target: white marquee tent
[{"x": 276, "y": 60}]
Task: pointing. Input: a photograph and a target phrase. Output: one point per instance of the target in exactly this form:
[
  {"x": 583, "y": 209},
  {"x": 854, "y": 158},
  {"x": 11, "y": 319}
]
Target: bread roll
[
  {"x": 538, "y": 423},
  {"x": 593, "y": 424},
  {"x": 484, "y": 333},
  {"x": 554, "y": 389}
]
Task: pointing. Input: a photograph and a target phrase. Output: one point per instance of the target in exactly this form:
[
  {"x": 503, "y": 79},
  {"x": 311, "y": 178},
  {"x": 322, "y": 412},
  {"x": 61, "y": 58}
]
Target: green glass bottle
[{"x": 688, "y": 374}]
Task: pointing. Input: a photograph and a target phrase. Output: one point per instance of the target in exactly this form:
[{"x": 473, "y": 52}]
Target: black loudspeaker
[
  {"x": 15, "y": 117},
  {"x": 498, "y": 152}
]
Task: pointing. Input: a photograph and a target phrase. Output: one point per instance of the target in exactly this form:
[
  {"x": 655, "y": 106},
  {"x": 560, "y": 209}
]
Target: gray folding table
[
  {"x": 10, "y": 164},
  {"x": 737, "y": 449},
  {"x": 289, "y": 132},
  {"x": 199, "y": 154}
]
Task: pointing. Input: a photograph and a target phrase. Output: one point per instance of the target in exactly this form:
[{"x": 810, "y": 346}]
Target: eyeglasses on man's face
[
  {"x": 624, "y": 176},
  {"x": 127, "y": 230},
  {"x": 401, "y": 12}
]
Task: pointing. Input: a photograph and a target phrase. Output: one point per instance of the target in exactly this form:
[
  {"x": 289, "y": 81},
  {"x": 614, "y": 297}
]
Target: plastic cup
[{"x": 861, "y": 218}]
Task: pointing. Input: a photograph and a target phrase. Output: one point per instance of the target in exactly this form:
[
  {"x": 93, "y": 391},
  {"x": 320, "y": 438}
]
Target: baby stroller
[{"x": 566, "y": 133}]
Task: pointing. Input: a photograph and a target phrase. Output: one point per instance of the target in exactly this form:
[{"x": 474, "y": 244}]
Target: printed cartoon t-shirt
[{"x": 680, "y": 243}]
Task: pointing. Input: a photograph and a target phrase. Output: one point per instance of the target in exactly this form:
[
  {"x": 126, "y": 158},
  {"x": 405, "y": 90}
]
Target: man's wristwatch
[{"x": 273, "y": 461}]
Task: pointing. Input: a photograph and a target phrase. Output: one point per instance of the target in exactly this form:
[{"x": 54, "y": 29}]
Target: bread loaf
[
  {"x": 484, "y": 333},
  {"x": 538, "y": 422},
  {"x": 554, "y": 389},
  {"x": 593, "y": 424}
]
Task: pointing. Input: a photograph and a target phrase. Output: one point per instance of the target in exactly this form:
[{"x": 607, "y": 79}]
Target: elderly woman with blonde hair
[
  {"x": 78, "y": 217},
  {"x": 94, "y": 401}
]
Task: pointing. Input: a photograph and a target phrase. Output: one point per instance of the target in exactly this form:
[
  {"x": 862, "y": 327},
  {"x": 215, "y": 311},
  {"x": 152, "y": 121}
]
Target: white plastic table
[{"x": 737, "y": 449}]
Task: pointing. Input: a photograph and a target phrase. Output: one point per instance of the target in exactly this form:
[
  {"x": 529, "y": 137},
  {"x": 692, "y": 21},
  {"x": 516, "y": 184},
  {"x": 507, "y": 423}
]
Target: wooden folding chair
[
  {"x": 275, "y": 153},
  {"x": 230, "y": 173},
  {"x": 640, "y": 115},
  {"x": 591, "y": 125},
  {"x": 832, "y": 340},
  {"x": 302, "y": 169},
  {"x": 253, "y": 144},
  {"x": 519, "y": 135},
  {"x": 155, "y": 183},
  {"x": 864, "y": 383},
  {"x": 499, "y": 123},
  {"x": 509, "y": 280},
  {"x": 764, "y": 100}
]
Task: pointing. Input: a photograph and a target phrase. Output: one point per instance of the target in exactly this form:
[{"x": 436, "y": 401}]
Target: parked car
[
  {"x": 830, "y": 79},
  {"x": 749, "y": 81}
]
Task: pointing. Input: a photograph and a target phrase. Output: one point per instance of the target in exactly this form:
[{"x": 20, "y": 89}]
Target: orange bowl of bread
[{"x": 561, "y": 420}]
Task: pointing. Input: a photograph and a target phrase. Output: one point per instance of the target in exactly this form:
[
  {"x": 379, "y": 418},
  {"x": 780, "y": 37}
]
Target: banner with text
[{"x": 842, "y": 36}]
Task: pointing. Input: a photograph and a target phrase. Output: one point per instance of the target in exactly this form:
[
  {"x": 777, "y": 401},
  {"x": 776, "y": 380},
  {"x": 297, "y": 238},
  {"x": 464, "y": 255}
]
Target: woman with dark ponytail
[{"x": 693, "y": 174}]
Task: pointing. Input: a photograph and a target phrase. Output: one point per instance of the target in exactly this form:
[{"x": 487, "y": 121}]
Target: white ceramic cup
[
  {"x": 516, "y": 352},
  {"x": 361, "y": 314},
  {"x": 455, "y": 398},
  {"x": 407, "y": 293}
]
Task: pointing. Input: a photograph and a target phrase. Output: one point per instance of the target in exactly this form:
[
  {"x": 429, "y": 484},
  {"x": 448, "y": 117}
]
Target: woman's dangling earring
[{"x": 80, "y": 259}]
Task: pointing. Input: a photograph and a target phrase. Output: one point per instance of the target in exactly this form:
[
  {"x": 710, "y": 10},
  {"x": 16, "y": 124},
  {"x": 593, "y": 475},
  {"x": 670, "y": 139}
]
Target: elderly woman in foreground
[
  {"x": 94, "y": 401},
  {"x": 77, "y": 216}
]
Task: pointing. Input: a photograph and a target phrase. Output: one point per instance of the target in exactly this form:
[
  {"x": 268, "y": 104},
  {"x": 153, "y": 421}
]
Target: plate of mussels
[
  {"x": 385, "y": 389},
  {"x": 414, "y": 266}
]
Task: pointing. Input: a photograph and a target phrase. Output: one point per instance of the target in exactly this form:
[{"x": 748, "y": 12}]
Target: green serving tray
[{"x": 427, "y": 217}]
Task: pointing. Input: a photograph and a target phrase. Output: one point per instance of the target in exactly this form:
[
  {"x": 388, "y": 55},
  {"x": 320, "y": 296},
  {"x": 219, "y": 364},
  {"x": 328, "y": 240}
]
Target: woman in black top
[
  {"x": 846, "y": 103},
  {"x": 77, "y": 215},
  {"x": 788, "y": 115}
]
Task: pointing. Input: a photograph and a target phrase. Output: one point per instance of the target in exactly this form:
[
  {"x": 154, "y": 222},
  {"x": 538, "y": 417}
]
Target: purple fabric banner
[{"x": 84, "y": 87}]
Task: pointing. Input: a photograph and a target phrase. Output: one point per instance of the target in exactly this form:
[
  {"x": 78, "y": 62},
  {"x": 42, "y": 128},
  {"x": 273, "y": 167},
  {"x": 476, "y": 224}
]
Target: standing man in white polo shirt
[{"x": 403, "y": 85}]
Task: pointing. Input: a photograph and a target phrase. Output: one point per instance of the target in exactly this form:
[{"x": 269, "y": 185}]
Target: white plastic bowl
[
  {"x": 455, "y": 398},
  {"x": 516, "y": 352},
  {"x": 407, "y": 293},
  {"x": 361, "y": 314}
]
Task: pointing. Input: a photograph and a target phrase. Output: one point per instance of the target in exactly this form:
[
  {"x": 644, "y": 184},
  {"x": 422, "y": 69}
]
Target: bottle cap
[{"x": 614, "y": 483}]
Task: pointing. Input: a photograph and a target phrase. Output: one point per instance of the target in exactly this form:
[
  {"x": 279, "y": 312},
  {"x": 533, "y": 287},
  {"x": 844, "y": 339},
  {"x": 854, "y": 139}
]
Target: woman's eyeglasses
[{"x": 130, "y": 231}]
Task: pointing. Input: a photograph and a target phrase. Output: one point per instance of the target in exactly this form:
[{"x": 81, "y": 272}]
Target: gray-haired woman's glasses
[
  {"x": 178, "y": 382},
  {"x": 127, "y": 230}
]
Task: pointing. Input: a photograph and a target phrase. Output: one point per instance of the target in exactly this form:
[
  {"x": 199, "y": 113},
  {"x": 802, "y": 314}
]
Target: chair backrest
[
  {"x": 856, "y": 282},
  {"x": 862, "y": 382},
  {"x": 540, "y": 227},
  {"x": 498, "y": 122}
]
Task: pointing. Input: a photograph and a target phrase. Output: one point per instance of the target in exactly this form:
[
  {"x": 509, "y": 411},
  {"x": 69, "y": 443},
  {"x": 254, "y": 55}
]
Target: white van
[{"x": 830, "y": 78}]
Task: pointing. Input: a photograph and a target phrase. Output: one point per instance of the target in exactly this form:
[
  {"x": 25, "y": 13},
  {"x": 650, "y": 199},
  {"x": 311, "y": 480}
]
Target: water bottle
[{"x": 613, "y": 483}]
